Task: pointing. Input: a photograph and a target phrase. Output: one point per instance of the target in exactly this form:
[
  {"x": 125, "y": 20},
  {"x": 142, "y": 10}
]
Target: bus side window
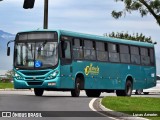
[
  {"x": 135, "y": 56},
  {"x": 151, "y": 53},
  {"x": 113, "y": 52},
  {"x": 101, "y": 49},
  {"x": 145, "y": 59},
  {"x": 124, "y": 54},
  {"x": 77, "y": 49},
  {"x": 89, "y": 50},
  {"x": 66, "y": 49}
]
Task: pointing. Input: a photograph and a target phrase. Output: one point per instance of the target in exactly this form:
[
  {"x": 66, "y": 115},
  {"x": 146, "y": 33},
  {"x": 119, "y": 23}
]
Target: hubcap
[{"x": 128, "y": 89}]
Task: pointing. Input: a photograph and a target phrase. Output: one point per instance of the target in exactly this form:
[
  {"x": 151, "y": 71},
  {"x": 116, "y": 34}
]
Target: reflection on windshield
[{"x": 36, "y": 55}]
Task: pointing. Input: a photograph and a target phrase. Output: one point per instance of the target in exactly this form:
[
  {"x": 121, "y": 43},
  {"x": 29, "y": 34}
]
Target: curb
[
  {"x": 119, "y": 114},
  {"x": 12, "y": 89}
]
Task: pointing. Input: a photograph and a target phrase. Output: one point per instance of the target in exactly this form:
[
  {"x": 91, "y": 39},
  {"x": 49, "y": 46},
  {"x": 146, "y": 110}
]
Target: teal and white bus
[{"x": 59, "y": 60}]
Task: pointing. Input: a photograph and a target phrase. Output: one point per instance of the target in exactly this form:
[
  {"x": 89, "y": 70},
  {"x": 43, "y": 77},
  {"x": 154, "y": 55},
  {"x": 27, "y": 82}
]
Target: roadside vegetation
[
  {"x": 133, "y": 105},
  {"x": 6, "y": 84}
]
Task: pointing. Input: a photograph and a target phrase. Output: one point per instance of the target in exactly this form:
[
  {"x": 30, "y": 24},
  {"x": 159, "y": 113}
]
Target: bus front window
[{"x": 36, "y": 54}]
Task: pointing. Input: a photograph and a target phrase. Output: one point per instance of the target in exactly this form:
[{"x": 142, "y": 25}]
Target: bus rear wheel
[
  {"x": 93, "y": 93},
  {"x": 76, "y": 92},
  {"x": 38, "y": 91},
  {"x": 146, "y": 93},
  {"x": 139, "y": 91},
  {"x": 127, "y": 91}
]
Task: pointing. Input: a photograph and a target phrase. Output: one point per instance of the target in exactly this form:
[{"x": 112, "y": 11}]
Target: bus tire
[
  {"x": 146, "y": 93},
  {"x": 76, "y": 92},
  {"x": 127, "y": 91},
  {"x": 138, "y": 92},
  {"x": 38, "y": 91},
  {"x": 93, "y": 93},
  {"x": 119, "y": 92}
]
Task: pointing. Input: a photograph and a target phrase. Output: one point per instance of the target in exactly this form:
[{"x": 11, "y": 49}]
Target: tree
[
  {"x": 143, "y": 6},
  {"x": 9, "y": 74},
  {"x": 126, "y": 36}
]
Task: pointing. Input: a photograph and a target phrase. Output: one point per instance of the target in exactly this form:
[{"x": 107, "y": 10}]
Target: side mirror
[
  {"x": 8, "y": 48},
  {"x": 8, "y": 51},
  {"x": 15, "y": 52}
]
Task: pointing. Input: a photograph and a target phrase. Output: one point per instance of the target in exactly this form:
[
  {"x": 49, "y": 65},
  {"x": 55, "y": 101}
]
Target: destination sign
[{"x": 37, "y": 36}]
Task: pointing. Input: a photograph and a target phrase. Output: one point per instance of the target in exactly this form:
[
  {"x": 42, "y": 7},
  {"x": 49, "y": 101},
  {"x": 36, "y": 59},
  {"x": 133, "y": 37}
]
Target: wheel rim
[
  {"x": 129, "y": 89},
  {"x": 139, "y": 91},
  {"x": 77, "y": 87}
]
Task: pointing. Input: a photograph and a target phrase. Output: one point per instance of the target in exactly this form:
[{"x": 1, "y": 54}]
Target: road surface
[
  {"x": 54, "y": 101},
  {"x": 22, "y": 101}
]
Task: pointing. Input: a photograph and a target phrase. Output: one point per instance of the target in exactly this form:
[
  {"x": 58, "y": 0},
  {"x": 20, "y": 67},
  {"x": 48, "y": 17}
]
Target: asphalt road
[
  {"x": 50, "y": 101},
  {"x": 53, "y": 102}
]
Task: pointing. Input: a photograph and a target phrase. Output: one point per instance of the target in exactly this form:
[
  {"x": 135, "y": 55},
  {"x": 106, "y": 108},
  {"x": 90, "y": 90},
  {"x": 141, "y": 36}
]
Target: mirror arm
[
  {"x": 10, "y": 42},
  {"x": 8, "y": 48}
]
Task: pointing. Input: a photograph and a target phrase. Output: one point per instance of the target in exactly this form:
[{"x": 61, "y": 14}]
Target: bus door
[{"x": 66, "y": 66}]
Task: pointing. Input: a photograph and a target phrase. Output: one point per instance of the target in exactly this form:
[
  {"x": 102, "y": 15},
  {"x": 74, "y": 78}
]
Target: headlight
[
  {"x": 52, "y": 75},
  {"x": 17, "y": 76}
]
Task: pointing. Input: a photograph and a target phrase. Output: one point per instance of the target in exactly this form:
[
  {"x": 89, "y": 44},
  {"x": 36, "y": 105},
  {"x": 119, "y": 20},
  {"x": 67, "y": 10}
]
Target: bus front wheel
[
  {"x": 38, "y": 91},
  {"x": 127, "y": 91},
  {"x": 93, "y": 93},
  {"x": 76, "y": 92}
]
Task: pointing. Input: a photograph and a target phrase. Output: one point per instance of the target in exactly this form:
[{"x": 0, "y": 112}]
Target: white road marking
[{"x": 92, "y": 108}]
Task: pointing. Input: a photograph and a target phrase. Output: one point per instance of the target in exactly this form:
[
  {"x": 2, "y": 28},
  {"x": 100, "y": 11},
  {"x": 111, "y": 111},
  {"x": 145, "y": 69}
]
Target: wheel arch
[
  {"x": 130, "y": 77},
  {"x": 82, "y": 80}
]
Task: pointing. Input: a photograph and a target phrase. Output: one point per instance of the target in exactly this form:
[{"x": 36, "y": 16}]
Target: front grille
[
  {"x": 36, "y": 78},
  {"x": 34, "y": 73},
  {"x": 35, "y": 83}
]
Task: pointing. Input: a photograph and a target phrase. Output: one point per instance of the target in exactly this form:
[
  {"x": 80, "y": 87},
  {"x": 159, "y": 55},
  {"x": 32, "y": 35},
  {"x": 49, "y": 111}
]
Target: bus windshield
[{"x": 36, "y": 55}]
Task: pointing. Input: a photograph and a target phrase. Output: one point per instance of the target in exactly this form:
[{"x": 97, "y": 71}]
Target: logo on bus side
[{"x": 91, "y": 70}]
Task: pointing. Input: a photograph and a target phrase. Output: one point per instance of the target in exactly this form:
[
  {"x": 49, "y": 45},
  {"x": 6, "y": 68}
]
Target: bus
[{"x": 60, "y": 60}]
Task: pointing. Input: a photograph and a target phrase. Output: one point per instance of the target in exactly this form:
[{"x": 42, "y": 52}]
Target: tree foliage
[
  {"x": 144, "y": 7},
  {"x": 9, "y": 74},
  {"x": 136, "y": 37}
]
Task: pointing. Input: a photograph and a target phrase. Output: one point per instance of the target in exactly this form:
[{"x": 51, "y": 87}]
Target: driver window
[{"x": 66, "y": 49}]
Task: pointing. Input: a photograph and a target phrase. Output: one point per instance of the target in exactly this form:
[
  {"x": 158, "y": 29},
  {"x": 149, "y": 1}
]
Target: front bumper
[{"x": 45, "y": 84}]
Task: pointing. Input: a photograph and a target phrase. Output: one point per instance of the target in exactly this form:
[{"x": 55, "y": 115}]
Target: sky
[{"x": 85, "y": 16}]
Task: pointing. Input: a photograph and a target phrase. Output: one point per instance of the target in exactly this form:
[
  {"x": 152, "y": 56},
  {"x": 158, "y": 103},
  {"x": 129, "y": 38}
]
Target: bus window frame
[
  {"x": 140, "y": 64},
  {"x": 154, "y": 57},
  {"x": 117, "y": 51},
  {"x": 81, "y": 41},
  {"x": 107, "y": 42},
  {"x": 33, "y": 40},
  {"x": 129, "y": 53},
  {"x": 65, "y": 61},
  {"x": 148, "y": 55},
  {"x": 93, "y": 45}
]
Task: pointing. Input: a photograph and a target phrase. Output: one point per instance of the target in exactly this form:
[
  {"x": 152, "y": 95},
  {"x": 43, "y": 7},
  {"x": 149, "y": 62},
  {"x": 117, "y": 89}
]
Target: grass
[
  {"x": 6, "y": 85},
  {"x": 132, "y": 105}
]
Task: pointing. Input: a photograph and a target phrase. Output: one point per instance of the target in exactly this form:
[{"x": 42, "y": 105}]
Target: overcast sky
[{"x": 86, "y": 16}]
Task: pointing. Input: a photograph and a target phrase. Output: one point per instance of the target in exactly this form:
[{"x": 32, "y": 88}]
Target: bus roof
[{"x": 97, "y": 37}]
